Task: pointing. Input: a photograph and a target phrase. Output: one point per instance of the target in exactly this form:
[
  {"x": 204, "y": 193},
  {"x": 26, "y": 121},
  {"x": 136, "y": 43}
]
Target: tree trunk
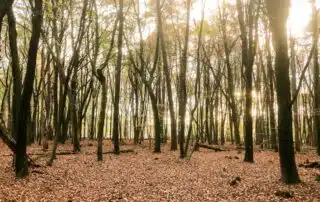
[
  {"x": 168, "y": 78},
  {"x": 293, "y": 92},
  {"x": 117, "y": 82},
  {"x": 234, "y": 120},
  {"x": 16, "y": 72},
  {"x": 21, "y": 165},
  {"x": 248, "y": 54},
  {"x": 316, "y": 79},
  {"x": 278, "y": 12},
  {"x": 182, "y": 86},
  {"x": 270, "y": 72},
  {"x": 102, "y": 112},
  {"x": 74, "y": 117}
]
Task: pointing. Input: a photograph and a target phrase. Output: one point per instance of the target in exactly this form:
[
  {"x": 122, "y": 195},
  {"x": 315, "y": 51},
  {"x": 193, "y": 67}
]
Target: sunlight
[
  {"x": 300, "y": 13},
  {"x": 210, "y": 8}
]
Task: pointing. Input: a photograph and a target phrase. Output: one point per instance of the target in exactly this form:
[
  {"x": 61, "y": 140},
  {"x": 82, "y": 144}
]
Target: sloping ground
[{"x": 144, "y": 176}]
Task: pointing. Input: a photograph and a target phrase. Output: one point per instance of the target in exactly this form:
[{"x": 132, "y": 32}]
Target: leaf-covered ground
[{"x": 145, "y": 176}]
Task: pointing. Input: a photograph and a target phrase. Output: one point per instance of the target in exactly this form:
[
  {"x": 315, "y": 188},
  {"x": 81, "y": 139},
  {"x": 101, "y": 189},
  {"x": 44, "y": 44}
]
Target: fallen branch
[
  {"x": 310, "y": 165},
  {"x": 73, "y": 153},
  {"x": 11, "y": 143},
  {"x": 216, "y": 149},
  {"x": 91, "y": 153}
]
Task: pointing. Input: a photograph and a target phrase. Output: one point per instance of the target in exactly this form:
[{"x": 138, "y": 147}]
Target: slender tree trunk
[
  {"x": 206, "y": 87},
  {"x": 215, "y": 126},
  {"x": 293, "y": 92},
  {"x": 157, "y": 122},
  {"x": 56, "y": 121},
  {"x": 234, "y": 120},
  {"x": 248, "y": 53},
  {"x": 117, "y": 82},
  {"x": 182, "y": 86},
  {"x": 270, "y": 73},
  {"x": 16, "y": 72},
  {"x": 316, "y": 79},
  {"x": 231, "y": 127},
  {"x": 74, "y": 117},
  {"x": 222, "y": 129},
  {"x": 168, "y": 78},
  {"x": 102, "y": 113},
  {"x": 93, "y": 113}
]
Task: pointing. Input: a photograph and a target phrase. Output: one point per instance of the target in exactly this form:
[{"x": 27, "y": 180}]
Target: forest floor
[{"x": 145, "y": 176}]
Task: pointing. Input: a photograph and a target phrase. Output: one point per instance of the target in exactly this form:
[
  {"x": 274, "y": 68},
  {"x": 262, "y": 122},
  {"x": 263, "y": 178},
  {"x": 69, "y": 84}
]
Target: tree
[
  {"x": 249, "y": 44},
  {"x": 168, "y": 77},
  {"x": 102, "y": 79},
  {"x": 230, "y": 74},
  {"x": 278, "y": 12},
  {"x": 21, "y": 163},
  {"x": 102, "y": 112},
  {"x": 16, "y": 73},
  {"x": 316, "y": 79},
  {"x": 293, "y": 92},
  {"x": 117, "y": 82},
  {"x": 62, "y": 114},
  {"x": 270, "y": 96},
  {"x": 182, "y": 85}
]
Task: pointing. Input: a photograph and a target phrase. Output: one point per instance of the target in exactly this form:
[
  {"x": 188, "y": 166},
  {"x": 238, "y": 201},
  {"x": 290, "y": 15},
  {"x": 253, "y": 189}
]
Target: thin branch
[{"x": 302, "y": 76}]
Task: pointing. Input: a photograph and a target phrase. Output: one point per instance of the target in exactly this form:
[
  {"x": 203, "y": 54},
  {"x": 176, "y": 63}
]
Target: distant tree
[
  {"x": 249, "y": 44},
  {"x": 182, "y": 84},
  {"x": 316, "y": 79},
  {"x": 160, "y": 32}
]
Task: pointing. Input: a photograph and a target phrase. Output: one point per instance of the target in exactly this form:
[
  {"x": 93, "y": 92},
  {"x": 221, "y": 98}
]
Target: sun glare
[
  {"x": 299, "y": 18},
  {"x": 210, "y": 7},
  {"x": 300, "y": 13}
]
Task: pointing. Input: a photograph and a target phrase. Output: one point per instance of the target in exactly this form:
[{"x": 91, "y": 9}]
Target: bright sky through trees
[{"x": 300, "y": 13}]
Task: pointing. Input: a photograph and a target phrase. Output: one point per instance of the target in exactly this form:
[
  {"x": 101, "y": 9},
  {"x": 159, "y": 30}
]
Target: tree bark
[
  {"x": 248, "y": 55},
  {"x": 293, "y": 92},
  {"x": 183, "y": 87},
  {"x": 278, "y": 12},
  {"x": 16, "y": 72},
  {"x": 117, "y": 82},
  {"x": 102, "y": 112},
  {"x": 21, "y": 165},
  {"x": 234, "y": 120},
  {"x": 270, "y": 73},
  {"x": 168, "y": 78},
  {"x": 316, "y": 79}
]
